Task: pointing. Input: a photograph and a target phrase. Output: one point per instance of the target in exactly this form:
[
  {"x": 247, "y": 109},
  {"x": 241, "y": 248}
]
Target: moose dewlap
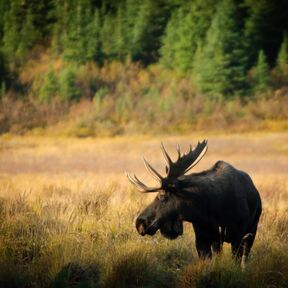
[{"x": 222, "y": 204}]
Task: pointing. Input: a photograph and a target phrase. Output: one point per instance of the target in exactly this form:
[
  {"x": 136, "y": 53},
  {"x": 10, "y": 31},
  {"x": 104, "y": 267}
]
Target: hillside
[{"x": 120, "y": 67}]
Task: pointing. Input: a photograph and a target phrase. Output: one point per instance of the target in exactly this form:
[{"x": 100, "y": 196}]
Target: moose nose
[{"x": 141, "y": 226}]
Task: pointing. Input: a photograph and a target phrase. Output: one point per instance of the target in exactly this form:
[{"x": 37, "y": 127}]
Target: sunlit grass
[{"x": 63, "y": 226}]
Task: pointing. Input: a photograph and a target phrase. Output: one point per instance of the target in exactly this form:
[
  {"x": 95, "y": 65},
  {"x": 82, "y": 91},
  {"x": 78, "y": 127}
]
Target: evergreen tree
[
  {"x": 262, "y": 74},
  {"x": 78, "y": 33},
  {"x": 68, "y": 89},
  {"x": 255, "y": 27},
  {"x": 186, "y": 28},
  {"x": 93, "y": 48},
  {"x": 264, "y": 27},
  {"x": 11, "y": 31},
  {"x": 282, "y": 59},
  {"x": 4, "y": 7},
  {"x": 131, "y": 14},
  {"x": 119, "y": 36},
  {"x": 107, "y": 34},
  {"x": 60, "y": 27},
  {"x": 50, "y": 88},
  {"x": 28, "y": 35},
  {"x": 168, "y": 49},
  {"x": 178, "y": 45},
  {"x": 197, "y": 63},
  {"x": 147, "y": 31},
  {"x": 223, "y": 65}
]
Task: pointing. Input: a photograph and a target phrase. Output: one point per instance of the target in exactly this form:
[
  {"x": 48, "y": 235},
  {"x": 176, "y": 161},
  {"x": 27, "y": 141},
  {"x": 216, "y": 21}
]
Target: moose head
[{"x": 167, "y": 210}]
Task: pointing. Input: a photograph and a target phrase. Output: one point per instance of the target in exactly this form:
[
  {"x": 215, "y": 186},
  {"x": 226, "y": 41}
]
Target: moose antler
[
  {"x": 173, "y": 169},
  {"x": 140, "y": 185},
  {"x": 186, "y": 161}
]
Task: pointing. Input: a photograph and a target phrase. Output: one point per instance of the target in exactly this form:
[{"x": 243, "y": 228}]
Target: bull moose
[{"x": 222, "y": 204}]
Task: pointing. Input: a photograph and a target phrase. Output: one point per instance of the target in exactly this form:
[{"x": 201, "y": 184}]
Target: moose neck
[{"x": 192, "y": 205}]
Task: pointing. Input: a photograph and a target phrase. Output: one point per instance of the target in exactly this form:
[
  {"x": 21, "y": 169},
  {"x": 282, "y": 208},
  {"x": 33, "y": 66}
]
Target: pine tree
[
  {"x": 107, "y": 34},
  {"x": 60, "y": 27},
  {"x": 28, "y": 35},
  {"x": 147, "y": 31},
  {"x": 142, "y": 32},
  {"x": 170, "y": 39},
  {"x": 77, "y": 37},
  {"x": 223, "y": 67},
  {"x": 50, "y": 87},
  {"x": 264, "y": 27},
  {"x": 186, "y": 28},
  {"x": 93, "y": 48},
  {"x": 131, "y": 14},
  {"x": 68, "y": 89},
  {"x": 282, "y": 59},
  {"x": 11, "y": 31},
  {"x": 119, "y": 36},
  {"x": 197, "y": 63},
  {"x": 4, "y": 7},
  {"x": 262, "y": 74},
  {"x": 255, "y": 27}
]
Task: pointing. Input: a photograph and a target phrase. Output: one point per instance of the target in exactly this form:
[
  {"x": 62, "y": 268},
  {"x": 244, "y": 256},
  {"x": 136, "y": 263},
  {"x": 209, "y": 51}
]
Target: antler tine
[
  {"x": 152, "y": 171},
  {"x": 186, "y": 161},
  {"x": 140, "y": 185},
  {"x": 202, "y": 152},
  {"x": 178, "y": 151},
  {"x": 166, "y": 156}
]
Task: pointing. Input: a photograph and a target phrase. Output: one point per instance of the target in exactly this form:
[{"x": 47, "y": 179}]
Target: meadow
[{"x": 67, "y": 213}]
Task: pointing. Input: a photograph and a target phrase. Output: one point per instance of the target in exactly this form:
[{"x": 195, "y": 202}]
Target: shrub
[{"x": 68, "y": 90}]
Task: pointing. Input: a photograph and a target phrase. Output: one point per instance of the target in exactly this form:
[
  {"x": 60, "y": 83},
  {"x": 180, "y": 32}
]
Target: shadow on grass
[
  {"x": 217, "y": 272},
  {"x": 75, "y": 275},
  {"x": 135, "y": 269}
]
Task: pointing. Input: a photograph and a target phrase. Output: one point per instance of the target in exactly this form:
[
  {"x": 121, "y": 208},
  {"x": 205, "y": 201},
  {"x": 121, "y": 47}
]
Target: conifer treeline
[{"x": 219, "y": 42}]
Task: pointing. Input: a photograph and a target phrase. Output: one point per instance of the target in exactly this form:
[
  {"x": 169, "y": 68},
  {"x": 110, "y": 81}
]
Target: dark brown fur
[{"x": 222, "y": 204}]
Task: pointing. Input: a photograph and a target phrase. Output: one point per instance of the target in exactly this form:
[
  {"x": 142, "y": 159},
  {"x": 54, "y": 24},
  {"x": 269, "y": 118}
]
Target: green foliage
[
  {"x": 256, "y": 27},
  {"x": 223, "y": 62},
  {"x": 28, "y": 35},
  {"x": 262, "y": 82},
  {"x": 68, "y": 89},
  {"x": 147, "y": 30},
  {"x": 217, "y": 42},
  {"x": 282, "y": 59},
  {"x": 20, "y": 33},
  {"x": 265, "y": 23},
  {"x": 80, "y": 41},
  {"x": 49, "y": 88},
  {"x": 11, "y": 29},
  {"x": 106, "y": 32},
  {"x": 186, "y": 28}
]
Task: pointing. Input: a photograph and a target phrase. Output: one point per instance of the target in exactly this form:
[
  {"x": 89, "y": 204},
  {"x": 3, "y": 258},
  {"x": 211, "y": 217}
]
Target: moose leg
[
  {"x": 237, "y": 248},
  {"x": 217, "y": 243},
  {"x": 204, "y": 241},
  {"x": 247, "y": 244}
]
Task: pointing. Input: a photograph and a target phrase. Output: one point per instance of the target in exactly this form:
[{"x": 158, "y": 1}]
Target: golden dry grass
[{"x": 67, "y": 214}]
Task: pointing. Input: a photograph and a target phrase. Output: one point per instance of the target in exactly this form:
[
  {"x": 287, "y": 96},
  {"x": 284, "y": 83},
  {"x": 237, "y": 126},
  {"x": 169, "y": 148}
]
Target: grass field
[{"x": 67, "y": 214}]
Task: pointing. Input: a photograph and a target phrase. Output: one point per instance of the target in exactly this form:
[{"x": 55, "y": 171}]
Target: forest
[{"x": 113, "y": 67}]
